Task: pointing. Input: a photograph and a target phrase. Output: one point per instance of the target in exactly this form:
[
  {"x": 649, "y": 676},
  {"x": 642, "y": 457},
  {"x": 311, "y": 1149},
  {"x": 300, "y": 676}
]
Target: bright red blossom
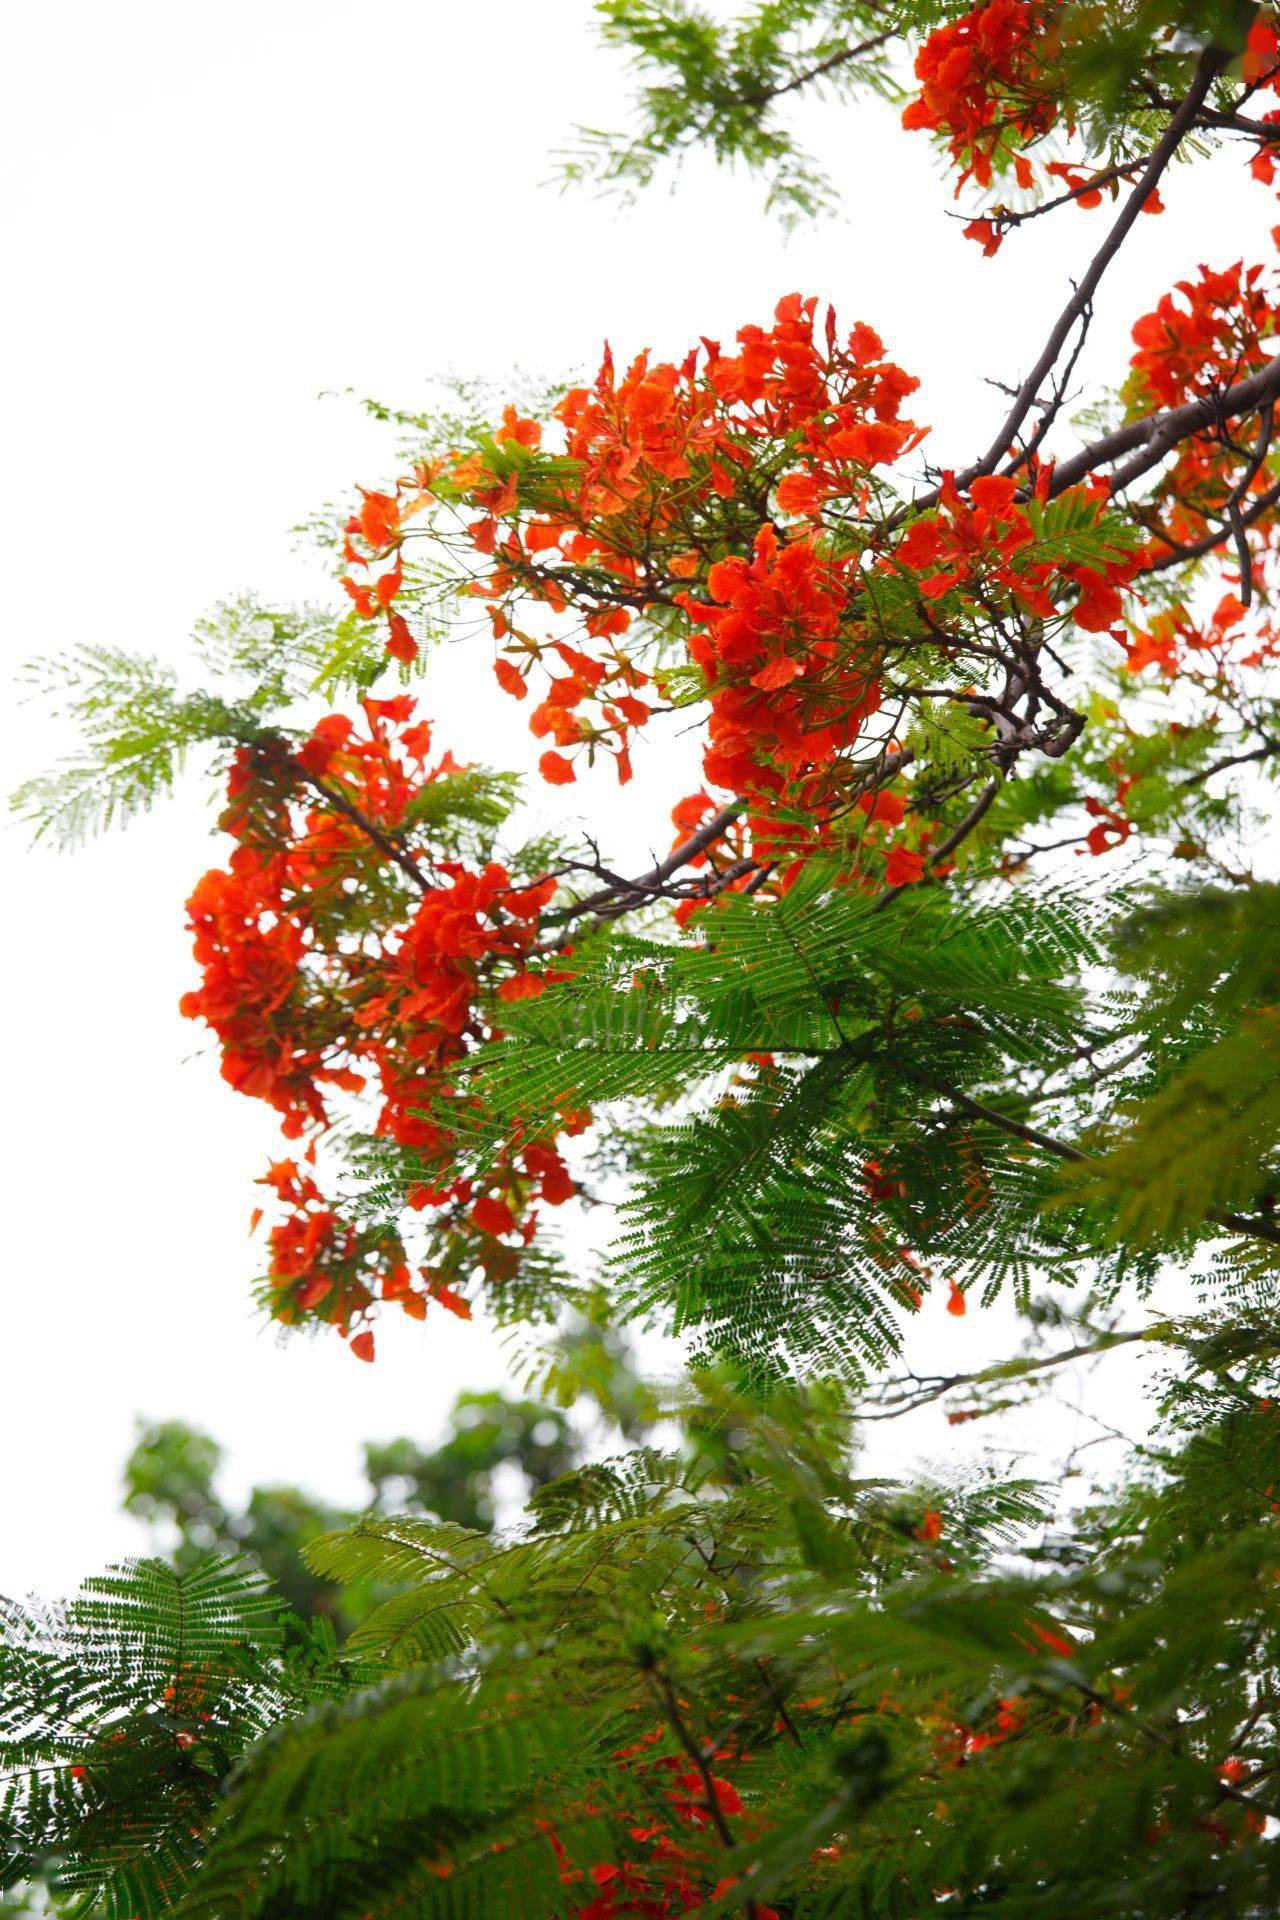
[
  {"x": 303, "y": 1004},
  {"x": 985, "y": 87}
]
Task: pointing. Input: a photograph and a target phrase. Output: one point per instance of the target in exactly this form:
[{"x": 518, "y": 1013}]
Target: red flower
[
  {"x": 903, "y": 866},
  {"x": 522, "y": 986},
  {"x": 451, "y": 1301},
  {"x": 984, "y": 86},
  {"x": 401, "y": 644},
  {"x": 556, "y": 770},
  {"x": 492, "y": 1216},
  {"x": 510, "y": 679},
  {"x": 378, "y": 519}
]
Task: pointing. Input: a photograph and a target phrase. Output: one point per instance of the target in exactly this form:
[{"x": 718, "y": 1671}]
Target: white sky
[{"x": 212, "y": 216}]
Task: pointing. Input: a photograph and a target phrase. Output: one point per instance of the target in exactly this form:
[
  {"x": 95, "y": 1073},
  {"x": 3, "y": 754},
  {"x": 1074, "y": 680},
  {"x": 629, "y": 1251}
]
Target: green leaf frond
[
  {"x": 807, "y": 1053},
  {"x": 137, "y": 733},
  {"x": 709, "y": 82},
  {"x": 121, "y": 1714},
  {"x": 1194, "y": 1129}
]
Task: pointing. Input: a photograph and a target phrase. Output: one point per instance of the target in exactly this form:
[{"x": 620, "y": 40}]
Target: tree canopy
[{"x": 958, "y": 981}]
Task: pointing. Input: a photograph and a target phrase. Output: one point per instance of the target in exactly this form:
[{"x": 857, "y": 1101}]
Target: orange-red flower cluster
[
  {"x": 989, "y": 89},
  {"x": 734, "y": 503},
  {"x": 378, "y": 526},
  {"x": 731, "y": 501},
  {"x": 673, "y": 1871},
  {"x": 1199, "y": 340},
  {"x": 1211, "y": 337},
  {"x": 1112, "y": 825},
  {"x": 787, "y": 691},
  {"x": 662, "y": 484},
  {"x": 1261, "y": 71},
  {"x": 322, "y": 1265},
  {"x": 310, "y": 991},
  {"x": 989, "y": 543},
  {"x": 1227, "y": 638},
  {"x": 983, "y": 86}
]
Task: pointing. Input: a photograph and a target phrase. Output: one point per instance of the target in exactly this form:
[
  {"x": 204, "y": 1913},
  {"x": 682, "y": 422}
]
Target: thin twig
[
  {"x": 1252, "y": 1227},
  {"x": 926, "y": 1391},
  {"x": 765, "y": 96},
  {"x": 1208, "y": 67}
]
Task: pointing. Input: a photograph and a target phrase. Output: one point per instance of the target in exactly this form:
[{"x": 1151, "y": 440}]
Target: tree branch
[
  {"x": 384, "y": 841},
  {"x": 1252, "y": 1227},
  {"x": 923, "y": 1392},
  {"x": 1157, "y": 434},
  {"x": 765, "y": 96},
  {"x": 1207, "y": 69},
  {"x": 671, "y": 1713},
  {"x": 629, "y": 893}
]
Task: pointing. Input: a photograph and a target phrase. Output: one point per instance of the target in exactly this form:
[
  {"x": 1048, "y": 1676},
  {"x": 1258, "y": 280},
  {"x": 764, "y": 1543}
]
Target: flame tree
[{"x": 957, "y": 979}]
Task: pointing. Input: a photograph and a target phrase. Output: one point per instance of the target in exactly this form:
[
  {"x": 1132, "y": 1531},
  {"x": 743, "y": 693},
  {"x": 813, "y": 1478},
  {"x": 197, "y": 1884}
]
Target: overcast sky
[{"x": 214, "y": 216}]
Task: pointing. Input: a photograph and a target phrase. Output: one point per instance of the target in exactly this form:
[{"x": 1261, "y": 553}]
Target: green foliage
[
  {"x": 899, "y": 1704},
  {"x": 708, "y": 81},
  {"x": 1194, "y": 1129},
  {"x": 1083, "y": 1704},
  {"x": 561, "y": 1630},
  {"x": 138, "y": 732},
  {"x": 420, "y": 1797},
  {"x": 265, "y": 671},
  {"x": 121, "y": 1714},
  {"x": 773, "y": 1208}
]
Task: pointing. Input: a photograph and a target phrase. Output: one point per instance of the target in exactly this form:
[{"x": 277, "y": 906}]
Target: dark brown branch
[
  {"x": 1207, "y": 69},
  {"x": 1157, "y": 434},
  {"x": 1264, "y": 752},
  {"x": 671, "y": 1713},
  {"x": 635, "y": 892},
  {"x": 966, "y": 826},
  {"x": 624, "y": 896},
  {"x": 384, "y": 841},
  {"x": 1195, "y": 549},
  {"x": 1150, "y": 439},
  {"x": 776, "y": 1695},
  {"x": 1050, "y": 409},
  {"x": 1008, "y": 217},
  {"x": 1253, "y": 1228}
]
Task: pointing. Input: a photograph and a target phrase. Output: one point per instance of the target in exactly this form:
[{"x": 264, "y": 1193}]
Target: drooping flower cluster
[
  {"x": 1224, "y": 644},
  {"x": 984, "y": 88},
  {"x": 1195, "y": 344},
  {"x": 717, "y": 533},
  {"x": 1260, "y": 71},
  {"x": 378, "y": 527},
  {"x": 991, "y": 90},
  {"x": 662, "y": 486},
  {"x": 1209, "y": 338},
  {"x": 337, "y": 958},
  {"x": 677, "y": 1832},
  {"x": 788, "y": 696}
]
